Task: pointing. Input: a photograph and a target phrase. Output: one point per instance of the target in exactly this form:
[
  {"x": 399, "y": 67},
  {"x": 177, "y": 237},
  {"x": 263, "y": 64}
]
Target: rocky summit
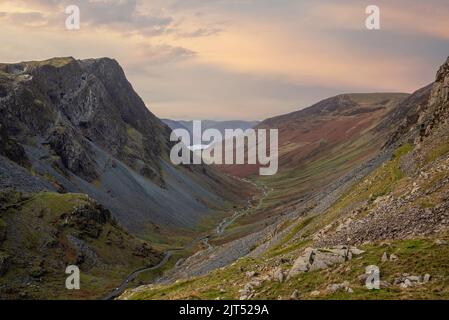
[{"x": 80, "y": 127}]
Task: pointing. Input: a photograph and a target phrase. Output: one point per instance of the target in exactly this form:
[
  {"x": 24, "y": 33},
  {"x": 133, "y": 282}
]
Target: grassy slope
[
  {"x": 314, "y": 153},
  {"x": 417, "y": 256},
  {"x": 39, "y": 250}
]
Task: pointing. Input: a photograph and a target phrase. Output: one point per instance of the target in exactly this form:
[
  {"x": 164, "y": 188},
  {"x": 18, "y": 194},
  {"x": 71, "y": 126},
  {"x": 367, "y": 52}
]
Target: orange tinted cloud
[{"x": 251, "y": 59}]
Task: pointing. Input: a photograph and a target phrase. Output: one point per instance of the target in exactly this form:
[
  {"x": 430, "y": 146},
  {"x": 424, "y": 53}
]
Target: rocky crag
[{"x": 78, "y": 126}]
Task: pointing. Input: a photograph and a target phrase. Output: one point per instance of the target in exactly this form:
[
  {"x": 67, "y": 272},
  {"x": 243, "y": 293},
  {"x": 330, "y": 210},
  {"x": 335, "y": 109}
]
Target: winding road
[{"x": 220, "y": 229}]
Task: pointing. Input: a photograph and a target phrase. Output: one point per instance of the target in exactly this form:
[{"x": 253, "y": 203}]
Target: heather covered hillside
[{"x": 390, "y": 211}]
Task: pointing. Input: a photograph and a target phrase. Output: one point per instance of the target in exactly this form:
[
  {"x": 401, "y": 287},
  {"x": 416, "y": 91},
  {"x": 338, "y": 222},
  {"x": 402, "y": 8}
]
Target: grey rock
[
  {"x": 393, "y": 257},
  {"x": 356, "y": 251},
  {"x": 406, "y": 284},
  {"x": 294, "y": 295},
  {"x": 338, "y": 286},
  {"x": 323, "y": 258},
  {"x": 279, "y": 275},
  {"x": 315, "y": 293},
  {"x": 414, "y": 278}
]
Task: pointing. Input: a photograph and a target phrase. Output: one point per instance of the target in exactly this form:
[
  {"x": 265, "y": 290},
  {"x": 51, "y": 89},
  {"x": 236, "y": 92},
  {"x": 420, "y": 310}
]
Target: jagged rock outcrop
[
  {"x": 420, "y": 206},
  {"x": 11, "y": 149},
  {"x": 47, "y": 231},
  {"x": 65, "y": 101},
  {"x": 322, "y": 258},
  {"x": 88, "y": 218},
  {"x": 405, "y": 116},
  {"x": 437, "y": 110},
  {"x": 78, "y": 126}
]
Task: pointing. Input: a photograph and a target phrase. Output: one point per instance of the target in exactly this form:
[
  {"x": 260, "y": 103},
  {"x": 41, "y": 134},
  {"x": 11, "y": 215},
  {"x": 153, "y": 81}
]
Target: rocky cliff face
[
  {"x": 80, "y": 127},
  {"x": 437, "y": 111},
  {"x": 66, "y": 103}
]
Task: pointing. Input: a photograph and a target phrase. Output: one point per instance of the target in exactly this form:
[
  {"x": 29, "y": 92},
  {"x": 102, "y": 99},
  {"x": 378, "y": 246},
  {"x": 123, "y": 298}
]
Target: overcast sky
[{"x": 238, "y": 59}]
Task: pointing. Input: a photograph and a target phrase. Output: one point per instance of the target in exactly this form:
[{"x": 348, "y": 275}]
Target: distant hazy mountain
[{"x": 211, "y": 124}]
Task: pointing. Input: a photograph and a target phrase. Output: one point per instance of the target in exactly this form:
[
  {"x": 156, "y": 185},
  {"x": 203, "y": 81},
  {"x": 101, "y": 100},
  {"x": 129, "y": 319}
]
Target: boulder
[
  {"x": 338, "y": 286},
  {"x": 255, "y": 283},
  {"x": 406, "y": 284},
  {"x": 315, "y": 293},
  {"x": 247, "y": 292},
  {"x": 279, "y": 275},
  {"x": 393, "y": 257},
  {"x": 356, "y": 251},
  {"x": 295, "y": 295},
  {"x": 323, "y": 258},
  {"x": 414, "y": 278},
  {"x": 407, "y": 281}
]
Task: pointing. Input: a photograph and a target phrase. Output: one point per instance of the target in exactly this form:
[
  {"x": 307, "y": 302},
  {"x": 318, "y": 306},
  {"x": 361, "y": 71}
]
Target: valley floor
[{"x": 396, "y": 217}]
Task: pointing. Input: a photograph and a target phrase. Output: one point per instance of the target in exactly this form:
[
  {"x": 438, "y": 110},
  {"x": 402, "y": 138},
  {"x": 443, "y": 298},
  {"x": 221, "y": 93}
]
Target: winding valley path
[{"x": 219, "y": 230}]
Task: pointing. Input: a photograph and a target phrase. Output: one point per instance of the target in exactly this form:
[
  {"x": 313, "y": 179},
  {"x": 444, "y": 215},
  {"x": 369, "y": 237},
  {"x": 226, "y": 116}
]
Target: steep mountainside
[
  {"x": 391, "y": 212},
  {"x": 84, "y": 170},
  {"x": 43, "y": 233},
  {"x": 78, "y": 126},
  {"x": 307, "y": 133},
  {"x": 317, "y": 146}
]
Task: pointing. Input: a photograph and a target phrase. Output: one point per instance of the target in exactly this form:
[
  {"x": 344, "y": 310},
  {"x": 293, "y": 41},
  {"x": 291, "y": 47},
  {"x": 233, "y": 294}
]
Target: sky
[{"x": 238, "y": 59}]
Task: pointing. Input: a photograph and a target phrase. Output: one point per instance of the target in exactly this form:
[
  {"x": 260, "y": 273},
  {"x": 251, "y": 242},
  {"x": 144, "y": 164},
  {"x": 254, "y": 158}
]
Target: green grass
[
  {"x": 279, "y": 248},
  {"x": 38, "y": 239},
  {"x": 57, "y": 62},
  {"x": 437, "y": 152},
  {"x": 302, "y": 179},
  {"x": 416, "y": 257},
  {"x": 218, "y": 284}
]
